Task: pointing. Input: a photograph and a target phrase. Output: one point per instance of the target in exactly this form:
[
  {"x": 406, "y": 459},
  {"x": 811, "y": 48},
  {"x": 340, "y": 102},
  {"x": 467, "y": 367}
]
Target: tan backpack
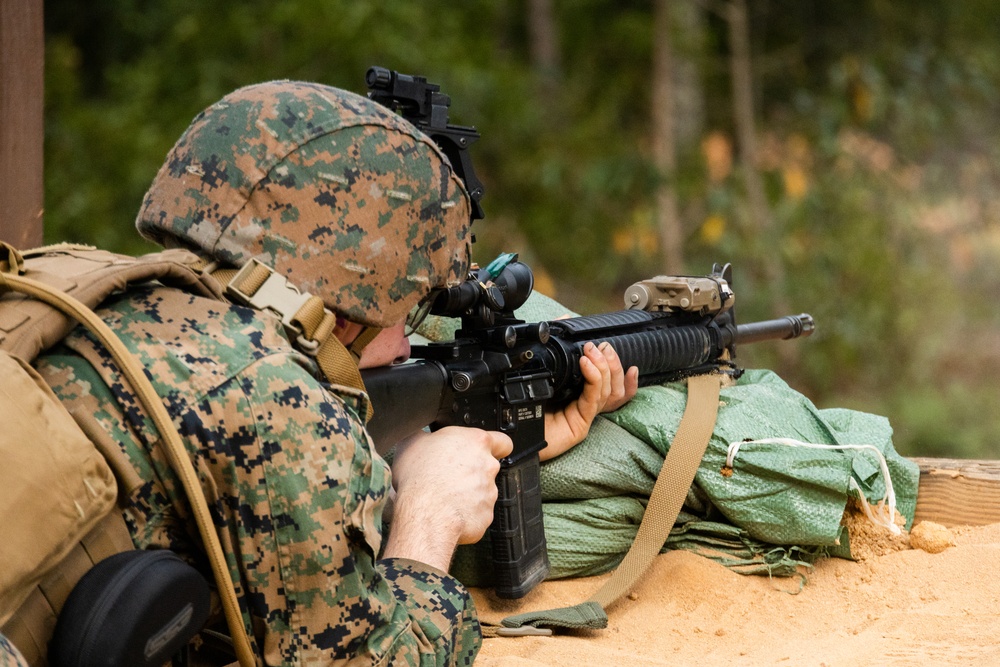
[{"x": 58, "y": 475}]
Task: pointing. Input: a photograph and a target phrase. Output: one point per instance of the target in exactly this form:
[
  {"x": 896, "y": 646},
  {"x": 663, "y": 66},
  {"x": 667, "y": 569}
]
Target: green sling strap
[{"x": 665, "y": 502}]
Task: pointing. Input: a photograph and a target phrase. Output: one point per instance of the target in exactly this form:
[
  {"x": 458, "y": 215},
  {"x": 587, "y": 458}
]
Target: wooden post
[
  {"x": 957, "y": 492},
  {"x": 22, "y": 57}
]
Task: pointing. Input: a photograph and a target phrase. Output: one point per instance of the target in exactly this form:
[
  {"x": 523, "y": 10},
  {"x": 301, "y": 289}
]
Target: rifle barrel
[{"x": 783, "y": 328}]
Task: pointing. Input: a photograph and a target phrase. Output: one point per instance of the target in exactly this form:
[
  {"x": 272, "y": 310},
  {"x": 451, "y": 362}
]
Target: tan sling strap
[
  {"x": 133, "y": 371},
  {"x": 309, "y": 323},
  {"x": 665, "y": 502}
]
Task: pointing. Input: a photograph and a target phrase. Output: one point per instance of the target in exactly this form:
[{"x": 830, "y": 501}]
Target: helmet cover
[{"x": 342, "y": 196}]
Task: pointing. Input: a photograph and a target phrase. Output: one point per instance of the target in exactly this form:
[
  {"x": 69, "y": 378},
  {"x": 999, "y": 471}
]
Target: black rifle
[{"x": 501, "y": 373}]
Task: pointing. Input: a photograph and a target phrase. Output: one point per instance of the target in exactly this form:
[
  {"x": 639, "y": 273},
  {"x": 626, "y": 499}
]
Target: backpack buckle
[{"x": 273, "y": 292}]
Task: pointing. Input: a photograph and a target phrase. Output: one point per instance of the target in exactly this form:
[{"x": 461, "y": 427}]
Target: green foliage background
[{"x": 879, "y": 150}]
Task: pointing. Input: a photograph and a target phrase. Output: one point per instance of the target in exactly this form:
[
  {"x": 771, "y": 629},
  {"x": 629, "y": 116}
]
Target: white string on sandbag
[{"x": 883, "y": 514}]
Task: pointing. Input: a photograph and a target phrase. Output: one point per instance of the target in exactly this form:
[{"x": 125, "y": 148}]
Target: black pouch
[{"x": 134, "y": 608}]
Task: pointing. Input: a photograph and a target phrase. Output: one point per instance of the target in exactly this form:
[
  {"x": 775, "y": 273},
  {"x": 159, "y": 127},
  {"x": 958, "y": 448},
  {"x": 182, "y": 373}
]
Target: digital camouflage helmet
[{"x": 339, "y": 194}]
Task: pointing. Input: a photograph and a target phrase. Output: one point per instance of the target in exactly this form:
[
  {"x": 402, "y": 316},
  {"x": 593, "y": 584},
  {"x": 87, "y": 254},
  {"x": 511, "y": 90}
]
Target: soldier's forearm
[{"x": 422, "y": 532}]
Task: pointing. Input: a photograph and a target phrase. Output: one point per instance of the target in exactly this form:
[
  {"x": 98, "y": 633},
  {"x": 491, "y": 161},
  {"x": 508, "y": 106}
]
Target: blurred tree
[
  {"x": 668, "y": 219},
  {"x": 544, "y": 49},
  {"x": 852, "y": 149}
]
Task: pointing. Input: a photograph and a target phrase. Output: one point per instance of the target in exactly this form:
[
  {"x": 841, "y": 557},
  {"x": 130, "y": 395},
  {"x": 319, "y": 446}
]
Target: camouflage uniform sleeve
[
  {"x": 441, "y": 609},
  {"x": 296, "y": 488},
  {"x": 305, "y": 505},
  {"x": 9, "y": 655}
]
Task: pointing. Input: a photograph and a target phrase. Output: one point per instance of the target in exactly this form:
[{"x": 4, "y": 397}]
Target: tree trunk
[
  {"x": 772, "y": 266},
  {"x": 689, "y": 93},
  {"x": 668, "y": 220},
  {"x": 743, "y": 113},
  {"x": 544, "y": 46},
  {"x": 21, "y": 122}
]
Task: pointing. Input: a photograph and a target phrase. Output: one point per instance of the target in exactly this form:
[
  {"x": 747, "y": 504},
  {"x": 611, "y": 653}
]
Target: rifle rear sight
[{"x": 424, "y": 105}]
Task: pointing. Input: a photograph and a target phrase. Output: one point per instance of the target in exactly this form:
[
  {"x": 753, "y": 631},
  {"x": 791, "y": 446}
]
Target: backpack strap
[
  {"x": 90, "y": 276},
  {"x": 665, "y": 502}
]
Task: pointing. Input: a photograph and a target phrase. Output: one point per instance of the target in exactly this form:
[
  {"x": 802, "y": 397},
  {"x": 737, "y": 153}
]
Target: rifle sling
[{"x": 665, "y": 502}]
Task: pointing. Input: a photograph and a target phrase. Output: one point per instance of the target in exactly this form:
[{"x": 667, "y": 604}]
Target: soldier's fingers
[
  {"x": 629, "y": 389},
  {"x": 631, "y": 382},
  {"x": 500, "y": 444},
  {"x": 609, "y": 352},
  {"x": 599, "y": 355},
  {"x": 594, "y": 368},
  {"x": 615, "y": 370}
]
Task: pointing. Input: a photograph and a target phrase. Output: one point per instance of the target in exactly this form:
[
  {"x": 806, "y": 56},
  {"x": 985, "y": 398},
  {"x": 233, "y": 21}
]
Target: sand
[{"x": 899, "y": 606}]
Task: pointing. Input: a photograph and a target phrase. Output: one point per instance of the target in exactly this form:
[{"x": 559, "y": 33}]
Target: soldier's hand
[
  {"x": 445, "y": 490},
  {"x": 607, "y": 387}
]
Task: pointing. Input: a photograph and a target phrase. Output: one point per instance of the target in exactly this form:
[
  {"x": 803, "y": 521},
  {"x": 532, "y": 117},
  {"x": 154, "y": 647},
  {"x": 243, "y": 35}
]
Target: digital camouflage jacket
[
  {"x": 295, "y": 486},
  {"x": 9, "y": 655}
]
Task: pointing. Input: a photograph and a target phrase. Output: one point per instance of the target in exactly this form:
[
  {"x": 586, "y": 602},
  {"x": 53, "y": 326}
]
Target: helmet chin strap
[
  {"x": 311, "y": 327},
  {"x": 340, "y": 364},
  {"x": 362, "y": 340}
]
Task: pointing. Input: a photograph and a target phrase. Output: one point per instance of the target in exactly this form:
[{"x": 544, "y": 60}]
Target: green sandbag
[{"x": 778, "y": 494}]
